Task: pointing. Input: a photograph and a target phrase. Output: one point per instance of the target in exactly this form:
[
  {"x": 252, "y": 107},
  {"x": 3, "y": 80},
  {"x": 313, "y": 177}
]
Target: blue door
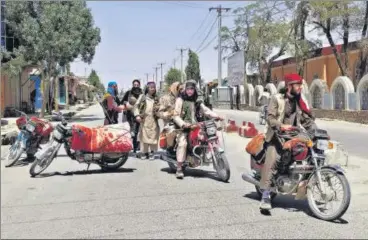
[
  {"x": 62, "y": 95},
  {"x": 38, "y": 98}
]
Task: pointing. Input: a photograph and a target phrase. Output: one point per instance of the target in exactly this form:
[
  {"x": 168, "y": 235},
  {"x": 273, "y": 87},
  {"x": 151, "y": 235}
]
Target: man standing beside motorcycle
[
  {"x": 145, "y": 113},
  {"x": 285, "y": 110},
  {"x": 130, "y": 98},
  {"x": 166, "y": 111},
  {"x": 185, "y": 112}
]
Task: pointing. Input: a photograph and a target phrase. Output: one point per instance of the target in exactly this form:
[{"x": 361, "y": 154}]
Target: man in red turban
[{"x": 286, "y": 109}]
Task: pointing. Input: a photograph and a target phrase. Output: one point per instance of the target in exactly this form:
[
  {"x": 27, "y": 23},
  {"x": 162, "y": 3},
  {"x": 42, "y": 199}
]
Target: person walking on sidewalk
[{"x": 145, "y": 111}]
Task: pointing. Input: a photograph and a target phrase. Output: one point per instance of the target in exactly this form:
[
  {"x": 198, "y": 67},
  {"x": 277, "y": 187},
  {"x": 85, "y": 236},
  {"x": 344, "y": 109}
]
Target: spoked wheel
[
  {"x": 40, "y": 164},
  {"x": 114, "y": 163},
  {"x": 334, "y": 188},
  {"x": 15, "y": 152},
  {"x": 222, "y": 166}
]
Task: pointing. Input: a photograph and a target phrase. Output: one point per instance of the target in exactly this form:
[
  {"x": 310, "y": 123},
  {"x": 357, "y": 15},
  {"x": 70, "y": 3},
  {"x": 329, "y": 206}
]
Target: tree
[
  {"x": 52, "y": 34},
  {"x": 192, "y": 70},
  {"x": 173, "y": 75},
  {"x": 329, "y": 16},
  {"x": 94, "y": 80}
]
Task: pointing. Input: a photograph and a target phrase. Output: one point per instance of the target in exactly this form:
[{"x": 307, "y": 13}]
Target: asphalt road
[{"x": 142, "y": 200}]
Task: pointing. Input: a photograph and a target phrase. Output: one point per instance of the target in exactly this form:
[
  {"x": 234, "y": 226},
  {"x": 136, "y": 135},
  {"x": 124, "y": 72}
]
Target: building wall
[{"x": 324, "y": 67}]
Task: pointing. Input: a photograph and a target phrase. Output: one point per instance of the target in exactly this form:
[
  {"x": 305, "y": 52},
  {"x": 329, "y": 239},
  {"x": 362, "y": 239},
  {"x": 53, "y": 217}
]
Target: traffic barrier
[
  {"x": 248, "y": 130},
  {"x": 231, "y": 126}
]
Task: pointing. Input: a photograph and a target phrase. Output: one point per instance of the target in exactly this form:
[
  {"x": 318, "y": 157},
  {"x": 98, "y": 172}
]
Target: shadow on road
[
  {"x": 288, "y": 203},
  {"x": 86, "y": 172},
  {"x": 195, "y": 173},
  {"x": 86, "y": 119}
]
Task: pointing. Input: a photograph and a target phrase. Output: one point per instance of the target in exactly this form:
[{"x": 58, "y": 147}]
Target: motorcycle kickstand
[{"x": 88, "y": 164}]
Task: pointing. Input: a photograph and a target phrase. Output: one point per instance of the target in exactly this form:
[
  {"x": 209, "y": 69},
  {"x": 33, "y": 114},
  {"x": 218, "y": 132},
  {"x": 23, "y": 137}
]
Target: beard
[{"x": 136, "y": 91}]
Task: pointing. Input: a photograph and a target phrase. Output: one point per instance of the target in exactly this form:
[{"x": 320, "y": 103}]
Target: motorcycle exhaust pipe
[{"x": 248, "y": 178}]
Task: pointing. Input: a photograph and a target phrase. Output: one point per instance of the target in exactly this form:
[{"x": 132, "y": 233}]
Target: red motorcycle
[
  {"x": 203, "y": 149},
  {"x": 302, "y": 171},
  {"x": 106, "y": 146},
  {"x": 33, "y": 132}
]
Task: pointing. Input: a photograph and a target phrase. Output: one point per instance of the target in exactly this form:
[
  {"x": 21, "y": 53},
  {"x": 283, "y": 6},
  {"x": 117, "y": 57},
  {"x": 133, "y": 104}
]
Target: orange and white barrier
[
  {"x": 248, "y": 130},
  {"x": 231, "y": 126}
]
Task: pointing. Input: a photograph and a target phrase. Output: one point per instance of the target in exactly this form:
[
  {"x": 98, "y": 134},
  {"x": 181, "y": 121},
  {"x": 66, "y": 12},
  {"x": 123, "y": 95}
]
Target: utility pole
[
  {"x": 147, "y": 74},
  {"x": 181, "y": 62},
  {"x": 219, "y": 10},
  {"x": 161, "y": 64},
  {"x": 156, "y": 68}
]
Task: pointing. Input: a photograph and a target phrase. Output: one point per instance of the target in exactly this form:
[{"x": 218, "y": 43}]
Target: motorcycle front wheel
[
  {"x": 328, "y": 194},
  {"x": 222, "y": 166},
  {"x": 43, "y": 161},
  {"x": 15, "y": 152}
]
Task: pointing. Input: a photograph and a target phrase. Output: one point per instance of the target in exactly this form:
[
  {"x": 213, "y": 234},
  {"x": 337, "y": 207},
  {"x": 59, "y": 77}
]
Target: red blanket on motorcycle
[{"x": 107, "y": 139}]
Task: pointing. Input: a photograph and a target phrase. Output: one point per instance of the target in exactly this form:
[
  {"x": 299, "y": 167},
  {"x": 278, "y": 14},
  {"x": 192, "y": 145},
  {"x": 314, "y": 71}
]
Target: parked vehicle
[
  {"x": 263, "y": 114},
  {"x": 106, "y": 146},
  {"x": 203, "y": 149},
  {"x": 32, "y": 132},
  {"x": 302, "y": 171}
]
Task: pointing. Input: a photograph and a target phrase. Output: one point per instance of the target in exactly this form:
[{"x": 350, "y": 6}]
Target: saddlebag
[
  {"x": 114, "y": 138},
  {"x": 257, "y": 148}
]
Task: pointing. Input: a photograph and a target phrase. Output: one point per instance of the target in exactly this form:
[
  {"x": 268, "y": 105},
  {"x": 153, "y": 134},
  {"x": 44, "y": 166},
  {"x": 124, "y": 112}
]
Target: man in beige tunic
[
  {"x": 166, "y": 111},
  {"x": 286, "y": 109},
  {"x": 145, "y": 113},
  {"x": 186, "y": 109}
]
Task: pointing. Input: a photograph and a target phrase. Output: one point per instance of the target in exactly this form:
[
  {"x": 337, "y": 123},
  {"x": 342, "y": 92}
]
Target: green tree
[
  {"x": 53, "y": 33},
  {"x": 94, "y": 80},
  {"x": 340, "y": 17},
  {"x": 192, "y": 70},
  {"x": 173, "y": 75}
]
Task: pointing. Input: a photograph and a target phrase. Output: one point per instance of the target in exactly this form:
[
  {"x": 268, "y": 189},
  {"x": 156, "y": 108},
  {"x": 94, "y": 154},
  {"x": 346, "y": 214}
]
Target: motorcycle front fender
[
  {"x": 23, "y": 139},
  {"x": 334, "y": 167},
  {"x": 220, "y": 150}
]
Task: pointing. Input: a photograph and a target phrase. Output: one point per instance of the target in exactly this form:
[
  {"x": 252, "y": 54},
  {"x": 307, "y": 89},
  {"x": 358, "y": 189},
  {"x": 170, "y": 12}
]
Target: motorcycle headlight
[
  {"x": 30, "y": 127},
  {"x": 211, "y": 131},
  {"x": 324, "y": 145},
  {"x": 58, "y": 135}
]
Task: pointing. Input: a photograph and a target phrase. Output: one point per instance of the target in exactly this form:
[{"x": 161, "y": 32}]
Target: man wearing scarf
[
  {"x": 111, "y": 104},
  {"x": 185, "y": 113},
  {"x": 166, "y": 110},
  {"x": 285, "y": 110},
  {"x": 130, "y": 98},
  {"x": 145, "y": 113}
]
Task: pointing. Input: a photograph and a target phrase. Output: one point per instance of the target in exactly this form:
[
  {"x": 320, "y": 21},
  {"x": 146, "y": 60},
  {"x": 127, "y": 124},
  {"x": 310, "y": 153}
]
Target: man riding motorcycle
[
  {"x": 285, "y": 110},
  {"x": 130, "y": 98},
  {"x": 111, "y": 104},
  {"x": 166, "y": 111},
  {"x": 185, "y": 112}
]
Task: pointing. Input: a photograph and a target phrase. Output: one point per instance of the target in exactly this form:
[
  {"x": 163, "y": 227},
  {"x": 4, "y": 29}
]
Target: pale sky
[{"x": 137, "y": 35}]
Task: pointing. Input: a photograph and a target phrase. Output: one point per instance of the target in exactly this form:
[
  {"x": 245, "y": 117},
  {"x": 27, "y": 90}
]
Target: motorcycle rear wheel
[
  {"x": 345, "y": 199},
  {"x": 109, "y": 164},
  {"x": 15, "y": 152}
]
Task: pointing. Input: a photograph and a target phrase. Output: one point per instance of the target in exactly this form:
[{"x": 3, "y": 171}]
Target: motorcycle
[
  {"x": 32, "y": 132},
  {"x": 105, "y": 146},
  {"x": 263, "y": 115},
  {"x": 302, "y": 170},
  {"x": 202, "y": 150}
]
